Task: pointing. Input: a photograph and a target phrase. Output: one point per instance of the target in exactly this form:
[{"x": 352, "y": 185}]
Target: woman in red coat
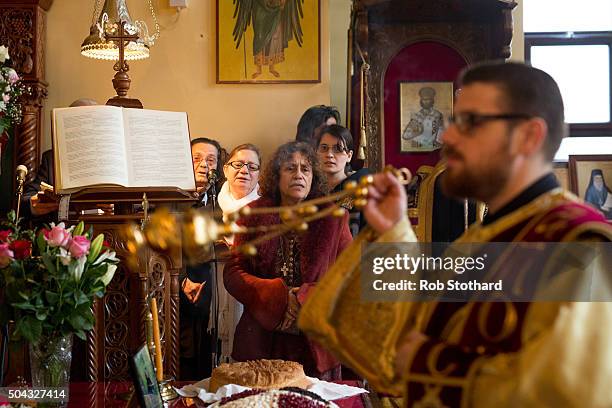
[{"x": 273, "y": 284}]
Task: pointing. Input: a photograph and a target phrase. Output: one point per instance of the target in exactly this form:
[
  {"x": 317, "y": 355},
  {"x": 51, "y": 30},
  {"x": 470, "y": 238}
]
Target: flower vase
[{"x": 50, "y": 359}]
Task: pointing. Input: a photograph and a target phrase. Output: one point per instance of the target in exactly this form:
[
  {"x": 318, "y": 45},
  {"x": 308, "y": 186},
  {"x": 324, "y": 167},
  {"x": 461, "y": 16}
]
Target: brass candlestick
[{"x": 166, "y": 390}]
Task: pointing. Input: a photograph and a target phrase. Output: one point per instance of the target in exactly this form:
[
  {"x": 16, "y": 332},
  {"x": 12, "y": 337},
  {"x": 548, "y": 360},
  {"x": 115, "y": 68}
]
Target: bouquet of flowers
[
  {"x": 50, "y": 279},
  {"x": 10, "y": 105}
]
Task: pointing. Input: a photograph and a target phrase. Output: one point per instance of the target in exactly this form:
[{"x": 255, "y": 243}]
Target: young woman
[{"x": 335, "y": 151}]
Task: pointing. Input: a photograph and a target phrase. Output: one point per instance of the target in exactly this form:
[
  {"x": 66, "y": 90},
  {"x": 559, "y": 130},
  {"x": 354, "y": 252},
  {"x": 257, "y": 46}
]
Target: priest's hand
[
  {"x": 193, "y": 291},
  {"x": 387, "y": 202},
  {"x": 38, "y": 207}
]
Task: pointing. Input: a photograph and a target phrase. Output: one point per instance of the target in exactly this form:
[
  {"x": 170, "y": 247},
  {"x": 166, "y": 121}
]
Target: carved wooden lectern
[{"x": 120, "y": 315}]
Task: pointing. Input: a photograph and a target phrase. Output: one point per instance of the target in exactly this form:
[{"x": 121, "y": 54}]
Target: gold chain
[
  {"x": 156, "y": 35},
  {"x": 95, "y": 12}
]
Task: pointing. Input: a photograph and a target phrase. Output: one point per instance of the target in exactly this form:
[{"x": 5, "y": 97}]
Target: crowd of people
[
  {"x": 507, "y": 124},
  {"x": 253, "y": 313}
]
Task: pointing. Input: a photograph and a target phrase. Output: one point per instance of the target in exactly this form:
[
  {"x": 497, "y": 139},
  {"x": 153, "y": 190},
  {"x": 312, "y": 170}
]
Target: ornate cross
[
  {"x": 122, "y": 39},
  {"x": 121, "y": 81}
]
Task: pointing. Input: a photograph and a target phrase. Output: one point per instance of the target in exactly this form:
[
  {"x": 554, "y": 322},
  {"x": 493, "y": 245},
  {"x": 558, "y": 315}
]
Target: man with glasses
[
  {"x": 205, "y": 153},
  {"x": 196, "y": 283},
  {"x": 508, "y": 124}
]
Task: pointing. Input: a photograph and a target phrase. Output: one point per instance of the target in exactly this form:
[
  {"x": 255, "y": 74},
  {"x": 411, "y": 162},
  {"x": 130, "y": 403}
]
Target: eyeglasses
[
  {"x": 238, "y": 165},
  {"x": 211, "y": 161},
  {"x": 337, "y": 149},
  {"x": 467, "y": 121}
]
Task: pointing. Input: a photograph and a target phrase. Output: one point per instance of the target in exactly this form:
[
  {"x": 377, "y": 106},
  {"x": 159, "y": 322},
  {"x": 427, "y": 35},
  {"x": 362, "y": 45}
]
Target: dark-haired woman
[
  {"x": 273, "y": 285},
  {"x": 313, "y": 120},
  {"x": 335, "y": 151}
]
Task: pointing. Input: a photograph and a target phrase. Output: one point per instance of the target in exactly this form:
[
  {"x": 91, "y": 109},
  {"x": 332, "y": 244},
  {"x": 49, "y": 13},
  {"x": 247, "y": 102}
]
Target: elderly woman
[
  {"x": 242, "y": 174},
  {"x": 273, "y": 284},
  {"x": 242, "y": 187},
  {"x": 335, "y": 151}
]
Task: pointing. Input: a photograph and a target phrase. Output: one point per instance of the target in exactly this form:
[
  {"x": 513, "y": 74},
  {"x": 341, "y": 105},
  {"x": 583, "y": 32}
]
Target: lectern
[{"x": 120, "y": 315}]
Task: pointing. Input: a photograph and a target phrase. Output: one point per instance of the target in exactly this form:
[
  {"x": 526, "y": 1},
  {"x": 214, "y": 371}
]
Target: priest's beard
[{"x": 482, "y": 181}]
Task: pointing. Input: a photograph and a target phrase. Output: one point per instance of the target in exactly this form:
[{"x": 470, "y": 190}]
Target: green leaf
[
  {"x": 96, "y": 246},
  {"x": 24, "y": 295},
  {"x": 41, "y": 243},
  {"x": 29, "y": 328},
  {"x": 81, "y": 335},
  {"x": 41, "y": 314},
  {"x": 78, "y": 230},
  {"x": 52, "y": 297},
  {"x": 80, "y": 297},
  {"x": 38, "y": 301},
  {"x": 49, "y": 263},
  {"x": 79, "y": 322},
  {"x": 24, "y": 306}
]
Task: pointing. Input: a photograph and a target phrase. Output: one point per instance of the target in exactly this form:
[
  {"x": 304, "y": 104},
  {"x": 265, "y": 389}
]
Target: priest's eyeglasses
[
  {"x": 336, "y": 149},
  {"x": 239, "y": 164},
  {"x": 467, "y": 121}
]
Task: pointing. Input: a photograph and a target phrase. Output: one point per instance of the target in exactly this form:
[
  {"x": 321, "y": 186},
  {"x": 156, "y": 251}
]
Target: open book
[{"x": 98, "y": 146}]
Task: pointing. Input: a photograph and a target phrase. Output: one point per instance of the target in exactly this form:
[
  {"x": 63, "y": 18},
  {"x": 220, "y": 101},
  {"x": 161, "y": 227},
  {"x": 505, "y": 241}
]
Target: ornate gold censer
[{"x": 195, "y": 230}]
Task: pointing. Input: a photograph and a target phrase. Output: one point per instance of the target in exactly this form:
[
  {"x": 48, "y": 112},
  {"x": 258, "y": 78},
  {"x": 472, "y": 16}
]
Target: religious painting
[
  {"x": 268, "y": 41},
  {"x": 591, "y": 178},
  {"x": 423, "y": 107},
  {"x": 145, "y": 381}
]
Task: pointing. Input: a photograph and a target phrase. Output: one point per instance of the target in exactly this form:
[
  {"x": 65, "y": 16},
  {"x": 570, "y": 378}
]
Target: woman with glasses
[
  {"x": 335, "y": 151},
  {"x": 273, "y": 284},
  {"x": 241, "y": 171},
  {"x": 242, "y": 174}
]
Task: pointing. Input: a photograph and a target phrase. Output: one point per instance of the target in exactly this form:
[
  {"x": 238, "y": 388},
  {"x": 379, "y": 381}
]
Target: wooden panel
[
  {"x": 120, "y": 316},
  {"x": 22, "y": 29}
]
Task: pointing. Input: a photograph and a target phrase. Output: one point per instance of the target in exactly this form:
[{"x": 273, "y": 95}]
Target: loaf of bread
[{"x": 262, "y": 374}]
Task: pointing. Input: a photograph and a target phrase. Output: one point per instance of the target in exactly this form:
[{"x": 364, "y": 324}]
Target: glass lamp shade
[
  {"x": 98, "y": 48},
  {"x": 106, "y": 23}
]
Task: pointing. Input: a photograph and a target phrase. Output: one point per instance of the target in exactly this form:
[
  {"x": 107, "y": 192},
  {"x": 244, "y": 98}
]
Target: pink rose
[
  {"x": 6, "y": 97},
  {"x": 6, "y": 255},
  {"x": 4, "y": 234},
  {"x": 79, "y": 246},
  {"x": 12, "y": 76},
  {"x": 58, "y": 236}
]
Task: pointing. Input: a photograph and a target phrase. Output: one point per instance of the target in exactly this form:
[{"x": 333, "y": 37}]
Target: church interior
[{"x": 212, "y": 202}]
